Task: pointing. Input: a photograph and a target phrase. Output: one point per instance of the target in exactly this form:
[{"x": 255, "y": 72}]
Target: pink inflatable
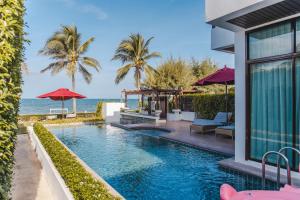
[{"x": 286, "y": 193}]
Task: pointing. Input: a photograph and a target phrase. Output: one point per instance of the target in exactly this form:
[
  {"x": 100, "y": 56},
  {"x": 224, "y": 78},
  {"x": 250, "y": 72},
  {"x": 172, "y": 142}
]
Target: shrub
[
  {"x": 11, "y": 57},
  {"x": 208, "y": 105},
  {"x": 99, "y": 110},
  {"x": 80, "y": 182}
]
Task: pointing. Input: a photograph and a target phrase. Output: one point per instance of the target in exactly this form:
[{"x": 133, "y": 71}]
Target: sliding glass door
[
  {"x": 271, "y": 107},
  {"x": 274, "y": 90}
]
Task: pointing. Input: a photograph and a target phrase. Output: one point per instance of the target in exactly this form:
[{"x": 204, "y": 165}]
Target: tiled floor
[
  {"x": 180, "y": 132},
  {"x": 29, "y": 181}
]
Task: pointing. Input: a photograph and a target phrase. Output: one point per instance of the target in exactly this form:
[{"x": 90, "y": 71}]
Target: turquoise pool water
[{"x": 143, "y": 167}]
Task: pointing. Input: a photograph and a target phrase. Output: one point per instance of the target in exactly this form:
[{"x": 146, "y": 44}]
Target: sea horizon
[{"x": 42, "y": 106}]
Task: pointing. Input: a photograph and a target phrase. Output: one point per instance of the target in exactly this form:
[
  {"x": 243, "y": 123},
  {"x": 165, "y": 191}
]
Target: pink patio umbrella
[
  {"x": 62, "y": 94},
  {"x": 224, "y": 76}
]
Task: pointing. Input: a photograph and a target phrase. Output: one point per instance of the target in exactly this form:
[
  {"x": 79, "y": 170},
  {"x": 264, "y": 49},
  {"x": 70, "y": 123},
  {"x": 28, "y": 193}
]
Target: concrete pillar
[{"x": 240, "y": 96}]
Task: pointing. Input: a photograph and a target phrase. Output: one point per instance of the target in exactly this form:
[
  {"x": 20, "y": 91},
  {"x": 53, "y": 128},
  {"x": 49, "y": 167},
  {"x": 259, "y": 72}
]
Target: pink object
[
  {"x": 288, "y": 188},
  {"x": 62, "y": 94},
  {"x": 287, "y": 193},
  {"x": 223, "y": 76},
  {"x": 227, "y": 192}
]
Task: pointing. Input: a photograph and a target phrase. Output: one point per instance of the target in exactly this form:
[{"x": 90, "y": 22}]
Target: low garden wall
[
  {"x": 40, "y": 117},
  {"x": 78, "y": 178},
  {"x": 57, "y": 186}
]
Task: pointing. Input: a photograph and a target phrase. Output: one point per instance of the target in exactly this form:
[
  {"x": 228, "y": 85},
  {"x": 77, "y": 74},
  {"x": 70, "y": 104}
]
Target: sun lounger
[
  {"x": 50, "y": 117},
  {"x": 206, "y": 125},
  {"x": 226, "y": 130},
  {"x": 71, "y": 115}
]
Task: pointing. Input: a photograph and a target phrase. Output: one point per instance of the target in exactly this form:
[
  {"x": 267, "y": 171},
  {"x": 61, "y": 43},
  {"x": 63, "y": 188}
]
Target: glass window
[
  {"x": 298, "y": 35},
  {"x": 271, "y": 107},
  {"x": 297, "y": 105},
  {"x": 271, "y": 41}
]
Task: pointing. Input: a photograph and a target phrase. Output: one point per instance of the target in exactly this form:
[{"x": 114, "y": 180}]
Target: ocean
[{"x": 42, "y": 106}]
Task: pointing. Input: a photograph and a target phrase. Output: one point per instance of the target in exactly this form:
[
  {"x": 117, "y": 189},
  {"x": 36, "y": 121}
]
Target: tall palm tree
[
  {"x": 65, "y": 49},
  {"x": 134, "y": 54}
]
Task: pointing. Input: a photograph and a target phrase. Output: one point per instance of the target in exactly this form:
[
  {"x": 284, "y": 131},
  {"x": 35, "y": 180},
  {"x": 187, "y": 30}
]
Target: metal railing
[
  {"x": 279, "y": 157},
  {"x": 284, "y": 150}
]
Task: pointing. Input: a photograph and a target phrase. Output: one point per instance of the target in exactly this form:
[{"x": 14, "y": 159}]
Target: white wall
[
  {"x": 218, "y": 8},
  {"x": 240, "y": 96},
  {"x": 187, "y": 116},
  {"x": 221, "y": 38},
  {"x": 55, "y": 182},
  {"x": 111, "y": 111},
  {"x": 218, "y": 12}
]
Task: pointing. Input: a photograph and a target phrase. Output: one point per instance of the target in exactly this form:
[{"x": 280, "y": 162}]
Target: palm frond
[
  {"x": 135, "y": 52},
  {"x": 65, "y": 48},
  {"x": 152, "y": 55},
  {"x": 55, "y": 67},
  {"x": 92, "y": 62},
  {"x": 85, "y": 73},
  {"x": 84, "y": 47},
  {"x": 148, "y": 42},
  {"x": 122, "y": 72},
  {"x": 149, "y": 69}
]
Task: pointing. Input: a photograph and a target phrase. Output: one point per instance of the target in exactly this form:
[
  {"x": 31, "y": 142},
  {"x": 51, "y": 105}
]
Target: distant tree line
[{"x": 176, "y": 73}]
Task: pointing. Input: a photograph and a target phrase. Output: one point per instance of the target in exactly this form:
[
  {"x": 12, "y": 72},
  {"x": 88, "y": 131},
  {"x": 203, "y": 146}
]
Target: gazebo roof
[{"x": 158, "y": 92}]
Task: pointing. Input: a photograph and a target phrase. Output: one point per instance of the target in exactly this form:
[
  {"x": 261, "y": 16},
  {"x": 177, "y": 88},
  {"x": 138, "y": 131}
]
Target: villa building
[{"x": 264, "y": 36}]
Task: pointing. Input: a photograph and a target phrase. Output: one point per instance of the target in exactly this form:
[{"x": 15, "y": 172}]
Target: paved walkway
[
  {"x": 180, "y": 132},
  {"x": 29, "y": 181}
]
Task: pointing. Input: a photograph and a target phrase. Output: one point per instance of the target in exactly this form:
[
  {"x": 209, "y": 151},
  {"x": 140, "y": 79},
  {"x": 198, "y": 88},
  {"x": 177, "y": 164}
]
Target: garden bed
[{"x": 80, "y": 181}]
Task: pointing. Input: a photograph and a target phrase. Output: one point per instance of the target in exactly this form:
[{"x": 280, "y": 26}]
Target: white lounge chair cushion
[
  {"x": 71, "y": 115},
  {"x": 52, "y": 117}
]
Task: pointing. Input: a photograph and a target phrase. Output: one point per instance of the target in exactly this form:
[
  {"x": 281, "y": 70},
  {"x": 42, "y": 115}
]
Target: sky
[{"x": 178, "y": 28}]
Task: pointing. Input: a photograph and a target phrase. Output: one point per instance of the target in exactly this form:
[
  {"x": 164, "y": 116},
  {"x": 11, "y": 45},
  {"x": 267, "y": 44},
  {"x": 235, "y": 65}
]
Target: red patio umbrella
[
  {"x": 224, "y": 76},
  {"x": 62, "y": 94}
]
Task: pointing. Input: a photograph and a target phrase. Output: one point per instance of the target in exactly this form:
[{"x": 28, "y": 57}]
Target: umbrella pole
[
  {"x": 62, "y": 110},
  {"x": 226, "y": 97}
]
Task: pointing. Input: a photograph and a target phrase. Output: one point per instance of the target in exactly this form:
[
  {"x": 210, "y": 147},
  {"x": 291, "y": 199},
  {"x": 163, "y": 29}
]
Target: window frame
[{"x": 292, "y": 56}]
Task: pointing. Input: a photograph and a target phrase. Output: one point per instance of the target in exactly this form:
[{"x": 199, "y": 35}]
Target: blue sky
[{"x": 178, "y": 27}]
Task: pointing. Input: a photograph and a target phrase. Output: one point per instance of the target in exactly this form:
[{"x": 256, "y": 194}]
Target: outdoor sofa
[
  {"x": 206, "y": 125},
  {"x": 226, "y": 130}
]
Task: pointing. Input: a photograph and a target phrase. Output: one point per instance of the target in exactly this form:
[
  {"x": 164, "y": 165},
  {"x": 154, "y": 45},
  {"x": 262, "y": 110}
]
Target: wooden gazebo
[{"x": 160, "y": 96}]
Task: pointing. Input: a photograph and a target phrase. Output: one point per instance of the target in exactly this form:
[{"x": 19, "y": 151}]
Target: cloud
[
  {"x": 86, "y": 9},
  {"x": 98, "y": 12}
]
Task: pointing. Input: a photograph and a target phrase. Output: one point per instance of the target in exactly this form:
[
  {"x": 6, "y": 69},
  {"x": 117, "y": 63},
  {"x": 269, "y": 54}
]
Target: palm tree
[
  {"x": 66, "y": 51},
  {"x": 134, "y": 54}
]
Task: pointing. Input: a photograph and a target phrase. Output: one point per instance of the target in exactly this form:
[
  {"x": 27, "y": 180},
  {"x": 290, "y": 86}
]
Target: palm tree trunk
[
  {"x": 73, "y": 88},
  {"x": 138, "y": 84}
]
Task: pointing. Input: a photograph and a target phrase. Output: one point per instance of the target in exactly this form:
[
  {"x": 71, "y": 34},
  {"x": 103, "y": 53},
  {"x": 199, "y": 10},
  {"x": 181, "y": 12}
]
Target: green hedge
[
  {"x": 11, "y": 58},
  {"x": 39, "y": 117},
  {"x": 80, "y": 182},
  {"x": 208, "y": 105},
  {"x": 99, "y": 110}
]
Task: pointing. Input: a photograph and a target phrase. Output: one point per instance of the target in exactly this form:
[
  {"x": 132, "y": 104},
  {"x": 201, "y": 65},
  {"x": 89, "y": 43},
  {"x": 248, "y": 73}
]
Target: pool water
[{"x": 140, "y": 166}]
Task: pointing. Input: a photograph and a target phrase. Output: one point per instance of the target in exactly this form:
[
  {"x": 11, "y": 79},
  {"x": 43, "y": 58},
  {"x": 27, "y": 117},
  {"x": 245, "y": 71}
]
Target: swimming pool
[{"x": 140, "y": 166}]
